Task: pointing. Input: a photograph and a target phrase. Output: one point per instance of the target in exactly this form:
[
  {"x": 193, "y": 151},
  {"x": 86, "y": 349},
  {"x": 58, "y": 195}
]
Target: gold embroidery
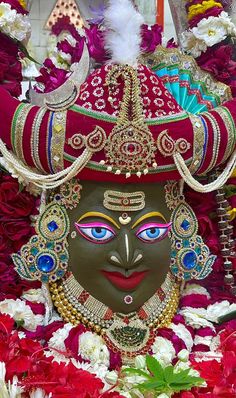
[{"x": 124, "y": 201}]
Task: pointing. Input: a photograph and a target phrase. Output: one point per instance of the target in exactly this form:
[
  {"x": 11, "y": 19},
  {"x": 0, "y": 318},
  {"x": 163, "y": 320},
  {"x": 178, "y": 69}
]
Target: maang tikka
[
  {"x": 190, "y": 256},
  {"x": 45, "y": 257}
]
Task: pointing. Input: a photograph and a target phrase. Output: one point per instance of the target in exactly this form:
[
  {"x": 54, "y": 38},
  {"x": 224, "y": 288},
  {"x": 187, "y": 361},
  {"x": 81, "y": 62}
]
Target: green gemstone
[
  {"x": 44, "y": 278},
  {"x": 50, "y": 245},
  {"x": 32, "y": 269},
  {"x": 34, "y": 251},
  {"x": 63, "y": 257},
  {"x": 185, "y": 243}
]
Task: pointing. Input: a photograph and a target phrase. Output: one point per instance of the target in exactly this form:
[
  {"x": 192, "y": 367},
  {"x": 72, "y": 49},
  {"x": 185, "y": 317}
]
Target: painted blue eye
[
  {"x": 96, "y": 234},
  {"x": 152, "y": 234}
]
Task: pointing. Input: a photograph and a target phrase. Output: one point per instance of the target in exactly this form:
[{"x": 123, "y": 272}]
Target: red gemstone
[{"x": 131, "y": 148}]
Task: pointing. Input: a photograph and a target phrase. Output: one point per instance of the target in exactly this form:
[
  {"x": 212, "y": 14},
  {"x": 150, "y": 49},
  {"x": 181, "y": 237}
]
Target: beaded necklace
[{"x": 129, "y": 334}]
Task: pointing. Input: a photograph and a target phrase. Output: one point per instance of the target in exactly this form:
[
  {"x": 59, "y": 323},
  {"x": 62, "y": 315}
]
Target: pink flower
[
  {"x": 151, "y": 37},
  {"x": 171, "y": 44},
  {"x": 95, "y": 39},
  {"x": 72, "y": 341},
  {"x": 195, "y": 301},
  {"x": 75, "y": 52},
  {"x": 51, "y": 76}
]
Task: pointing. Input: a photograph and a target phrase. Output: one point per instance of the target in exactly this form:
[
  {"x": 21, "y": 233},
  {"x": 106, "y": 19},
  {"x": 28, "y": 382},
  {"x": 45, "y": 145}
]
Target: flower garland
[
  {"x": 210, "y": 39},
  {"x": 42, "y": 346},
  {"x": 14, "y": 30},
  {"x": 14, "y": 21}
]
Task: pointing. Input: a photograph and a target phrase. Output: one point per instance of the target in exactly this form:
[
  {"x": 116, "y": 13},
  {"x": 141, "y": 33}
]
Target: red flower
[
  {"x": 14, "y": 203},
  {"x": 211, "y": 371},
  {"x": 16, "y": 231},
  {"x": 6, "y": 324},
  {"x": 151, "y": 37},
  {"x": 72, "y": 341}
]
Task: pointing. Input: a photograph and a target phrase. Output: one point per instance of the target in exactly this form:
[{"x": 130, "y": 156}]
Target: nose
[{"x": 126, "y": 256}]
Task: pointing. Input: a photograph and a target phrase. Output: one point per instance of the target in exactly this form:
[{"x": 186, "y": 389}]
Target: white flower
[
  {"x": 140, "y": 362},
  {"x": 196, "y": 317},
  {"x": 57, "y": 342},
  {"x": 20, "y": 28},
  {"x": 183, "y": 355},
  {"x": 126, "y": 394},
  {"x": 163, "y": 350},
  {"x": 163, "y": 395},
  {"x": 210, "y": 30},
  {"x": 194, "y": 289},
  {"x": 192, "y": 45},
  {"x": 68, "y": 37},
  {"x": 203, "y": 340},
  {"x": 111, "y": 377},
  {"x": 14, "y": 389},
  {"x": 34, "y": 296},
  {"x": 2, "y": 371},
  {"x": 66, "y": 57},
  {"x": 182, "y": 332},
  {"x": 7, "y": 15},
  {"x": 219, "y": 309},
  {"x": 92, "y": 348},
  {"x": 19, "y": 311},
  {"x": 39, "y": 393},
  {"x": 226, "y": 20}
]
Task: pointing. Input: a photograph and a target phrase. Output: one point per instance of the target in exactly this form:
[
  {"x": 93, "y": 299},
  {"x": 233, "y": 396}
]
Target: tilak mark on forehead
[{"x": 124, "y": 201}]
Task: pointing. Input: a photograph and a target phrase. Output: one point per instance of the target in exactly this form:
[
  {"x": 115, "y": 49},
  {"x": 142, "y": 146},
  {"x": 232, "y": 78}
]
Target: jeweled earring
[
  {"x": 45, "y": 257},
  {"x": 190, "y": 257}
]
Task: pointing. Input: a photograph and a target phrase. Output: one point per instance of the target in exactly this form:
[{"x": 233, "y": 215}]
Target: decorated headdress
[{"x": 125, "y": 122}]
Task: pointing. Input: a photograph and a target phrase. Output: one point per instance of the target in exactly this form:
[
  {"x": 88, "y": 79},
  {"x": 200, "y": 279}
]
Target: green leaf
[
  {"x": 152, "y": 385},
  {"x": 24, "y": 50},
  {"x": 137, "y": 372},
  {"x": 169, "y": 374},
  {"x": 154, "y": 367}
]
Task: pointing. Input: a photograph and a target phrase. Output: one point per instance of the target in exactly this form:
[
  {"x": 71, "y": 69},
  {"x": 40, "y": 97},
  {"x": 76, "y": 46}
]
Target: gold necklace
[{"x": 131, "y": 334}]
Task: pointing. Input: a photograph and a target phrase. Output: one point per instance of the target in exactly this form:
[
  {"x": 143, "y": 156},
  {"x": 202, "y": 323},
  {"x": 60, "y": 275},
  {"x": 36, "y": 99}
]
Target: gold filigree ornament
[
  {"x": 190, "y": 257},
  {"x": 45, "y": 257},
  {"x": 168, "y": 147},
  {"x": 130, "y": 147},
  {"x": 69, "y": 194}
]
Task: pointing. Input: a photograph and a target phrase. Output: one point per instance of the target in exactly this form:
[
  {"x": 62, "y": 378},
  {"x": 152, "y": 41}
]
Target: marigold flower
[{"x": 198, "y": 9}]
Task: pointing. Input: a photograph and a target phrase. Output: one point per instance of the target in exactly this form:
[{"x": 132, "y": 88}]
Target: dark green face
[{"x": 120, "y": 257}]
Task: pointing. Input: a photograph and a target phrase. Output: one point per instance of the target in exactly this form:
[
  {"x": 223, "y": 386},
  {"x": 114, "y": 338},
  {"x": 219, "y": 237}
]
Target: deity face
[{"x": 121, "y": 257}]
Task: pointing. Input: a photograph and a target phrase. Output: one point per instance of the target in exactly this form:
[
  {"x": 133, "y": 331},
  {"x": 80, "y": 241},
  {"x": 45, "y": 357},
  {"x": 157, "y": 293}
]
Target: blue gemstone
[
  {"x": 185, "y": 225},
  {"x": 190, "y": 260},
  {"x": 45, "y": 263},
  {"x": 52, "y": 226}
]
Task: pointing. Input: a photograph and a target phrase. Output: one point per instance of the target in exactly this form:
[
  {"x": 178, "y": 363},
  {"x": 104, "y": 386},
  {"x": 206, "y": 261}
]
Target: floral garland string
[{"x": 15, "y": 29}]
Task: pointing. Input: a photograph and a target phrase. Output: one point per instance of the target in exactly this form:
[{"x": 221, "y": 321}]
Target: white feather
[{"x": 123, "y": 38}]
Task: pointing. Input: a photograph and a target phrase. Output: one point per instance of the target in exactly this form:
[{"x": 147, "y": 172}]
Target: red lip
[{"x": 123, "y": 282}]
